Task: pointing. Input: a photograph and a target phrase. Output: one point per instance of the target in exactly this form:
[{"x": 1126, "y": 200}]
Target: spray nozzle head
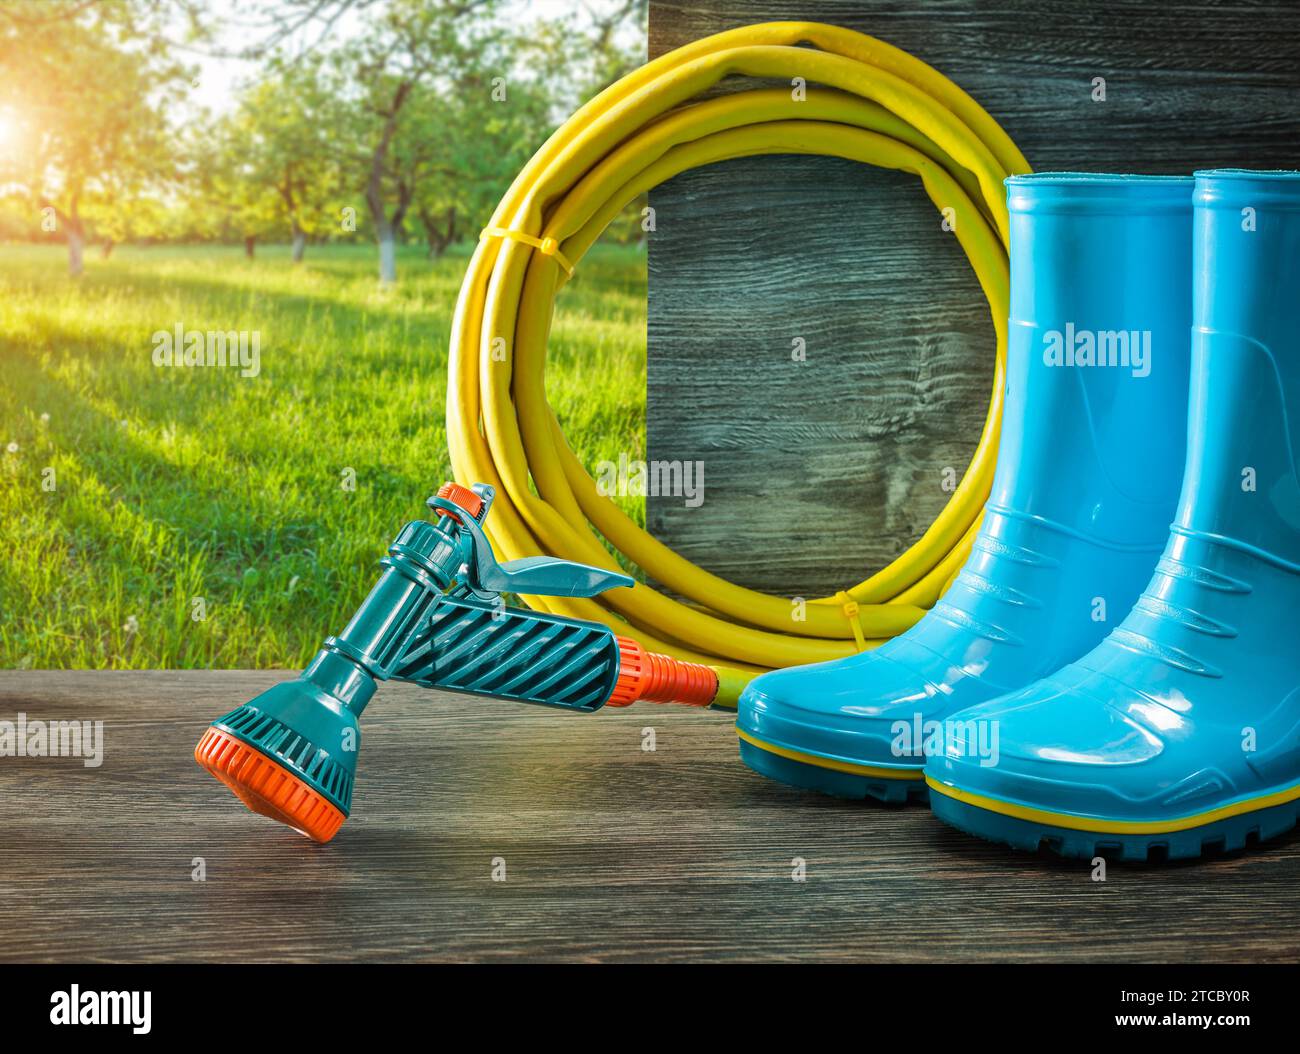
[{"x": 291, "y": 752}]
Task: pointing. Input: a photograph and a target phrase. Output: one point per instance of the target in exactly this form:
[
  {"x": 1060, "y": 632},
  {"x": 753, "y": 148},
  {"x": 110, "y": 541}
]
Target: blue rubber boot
[
  {"x": 1180, "y": 733},
  {"x": 1086, "y": 485}
]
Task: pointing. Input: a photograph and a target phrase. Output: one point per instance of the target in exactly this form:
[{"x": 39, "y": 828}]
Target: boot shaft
[
  {"x": 1241, "y": 486},
  {"x": 1093, "y": 430},
  {"x": 1098, "y": 353}
]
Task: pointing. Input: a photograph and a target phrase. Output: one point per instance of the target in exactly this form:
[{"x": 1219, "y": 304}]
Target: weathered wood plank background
[
  {"x": 611, "y": 852},
  {"x": 751, "y": 254}
]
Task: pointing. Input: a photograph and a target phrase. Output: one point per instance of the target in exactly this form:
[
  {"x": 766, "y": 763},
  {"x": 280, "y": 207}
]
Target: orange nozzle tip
[
  {"x": 267, "y": 787},
  {"x": 462, "y": 496}
]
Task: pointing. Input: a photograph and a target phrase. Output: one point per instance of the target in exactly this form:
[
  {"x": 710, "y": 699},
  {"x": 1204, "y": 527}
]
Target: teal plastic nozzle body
[{"x": 436, "y": 618}]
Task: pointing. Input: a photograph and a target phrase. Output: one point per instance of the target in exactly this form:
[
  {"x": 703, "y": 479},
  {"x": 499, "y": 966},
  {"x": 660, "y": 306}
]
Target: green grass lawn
[{"x": 176, "y": 484}]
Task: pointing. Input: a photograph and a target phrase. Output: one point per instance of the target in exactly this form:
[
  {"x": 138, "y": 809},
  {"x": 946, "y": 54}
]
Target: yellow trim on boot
[
  {"x": 826, "y": 763},
  {"x": 1096, "y": 825}
]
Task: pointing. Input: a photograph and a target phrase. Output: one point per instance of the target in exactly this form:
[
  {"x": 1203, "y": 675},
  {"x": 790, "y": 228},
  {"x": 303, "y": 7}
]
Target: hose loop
[{"x": 875, "y": 104}]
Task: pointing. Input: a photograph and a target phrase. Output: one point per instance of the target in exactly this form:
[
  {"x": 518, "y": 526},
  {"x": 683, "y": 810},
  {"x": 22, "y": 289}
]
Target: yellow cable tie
[
  {"x": 851, "y": 609},
  {"x": 547, "y": 246}
]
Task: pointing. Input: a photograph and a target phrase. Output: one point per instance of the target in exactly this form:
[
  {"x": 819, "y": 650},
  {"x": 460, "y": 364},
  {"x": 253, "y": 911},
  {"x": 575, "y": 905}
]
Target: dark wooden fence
[{"x": 818, "y": 473}]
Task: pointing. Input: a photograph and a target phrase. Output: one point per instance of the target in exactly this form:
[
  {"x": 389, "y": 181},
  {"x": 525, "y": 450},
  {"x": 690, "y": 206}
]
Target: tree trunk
[
  {"x": 438, "y": 240},
  {"x": 387, "y": 252},
  {"x": 249, "y": 242},
  {"x": 291, "y": 206},
  {"x": 106, "y": 250},
  {"x": 70, "y": 221},
  {"x": 385, "y": 226},
  {"x": 76, "y": 250}
]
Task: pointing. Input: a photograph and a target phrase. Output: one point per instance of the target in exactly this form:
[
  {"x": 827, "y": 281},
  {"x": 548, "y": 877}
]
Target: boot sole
[
  {"x": 839, "y": 779},
  {"x": 1225, "y": 830}
]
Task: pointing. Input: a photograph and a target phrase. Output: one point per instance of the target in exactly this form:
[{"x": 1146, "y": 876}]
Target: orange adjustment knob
[
  {"x": 462, "y": 496},
  {"x": 660, "y": 678}
]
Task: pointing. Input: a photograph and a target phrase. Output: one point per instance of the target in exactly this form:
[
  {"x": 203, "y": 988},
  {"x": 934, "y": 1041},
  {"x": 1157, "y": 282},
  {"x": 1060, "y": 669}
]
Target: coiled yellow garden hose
[{"x": 875, "y": 104}]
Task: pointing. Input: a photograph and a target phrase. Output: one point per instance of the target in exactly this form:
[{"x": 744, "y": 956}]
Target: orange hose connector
[{"x": 660, "y": 678}]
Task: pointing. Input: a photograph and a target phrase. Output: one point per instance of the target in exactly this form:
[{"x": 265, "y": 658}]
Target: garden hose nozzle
[{"x": 436, "y": 617}]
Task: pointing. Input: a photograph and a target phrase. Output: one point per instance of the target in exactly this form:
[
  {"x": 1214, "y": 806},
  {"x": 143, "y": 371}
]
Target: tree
[
  {"x": 86, "y": 94},
  {"x": 283, "y": 131},
  {"x": 409, "y": 54},
  {"x": 478, "y": 134},
  {"x": 228, "y": 194}
]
